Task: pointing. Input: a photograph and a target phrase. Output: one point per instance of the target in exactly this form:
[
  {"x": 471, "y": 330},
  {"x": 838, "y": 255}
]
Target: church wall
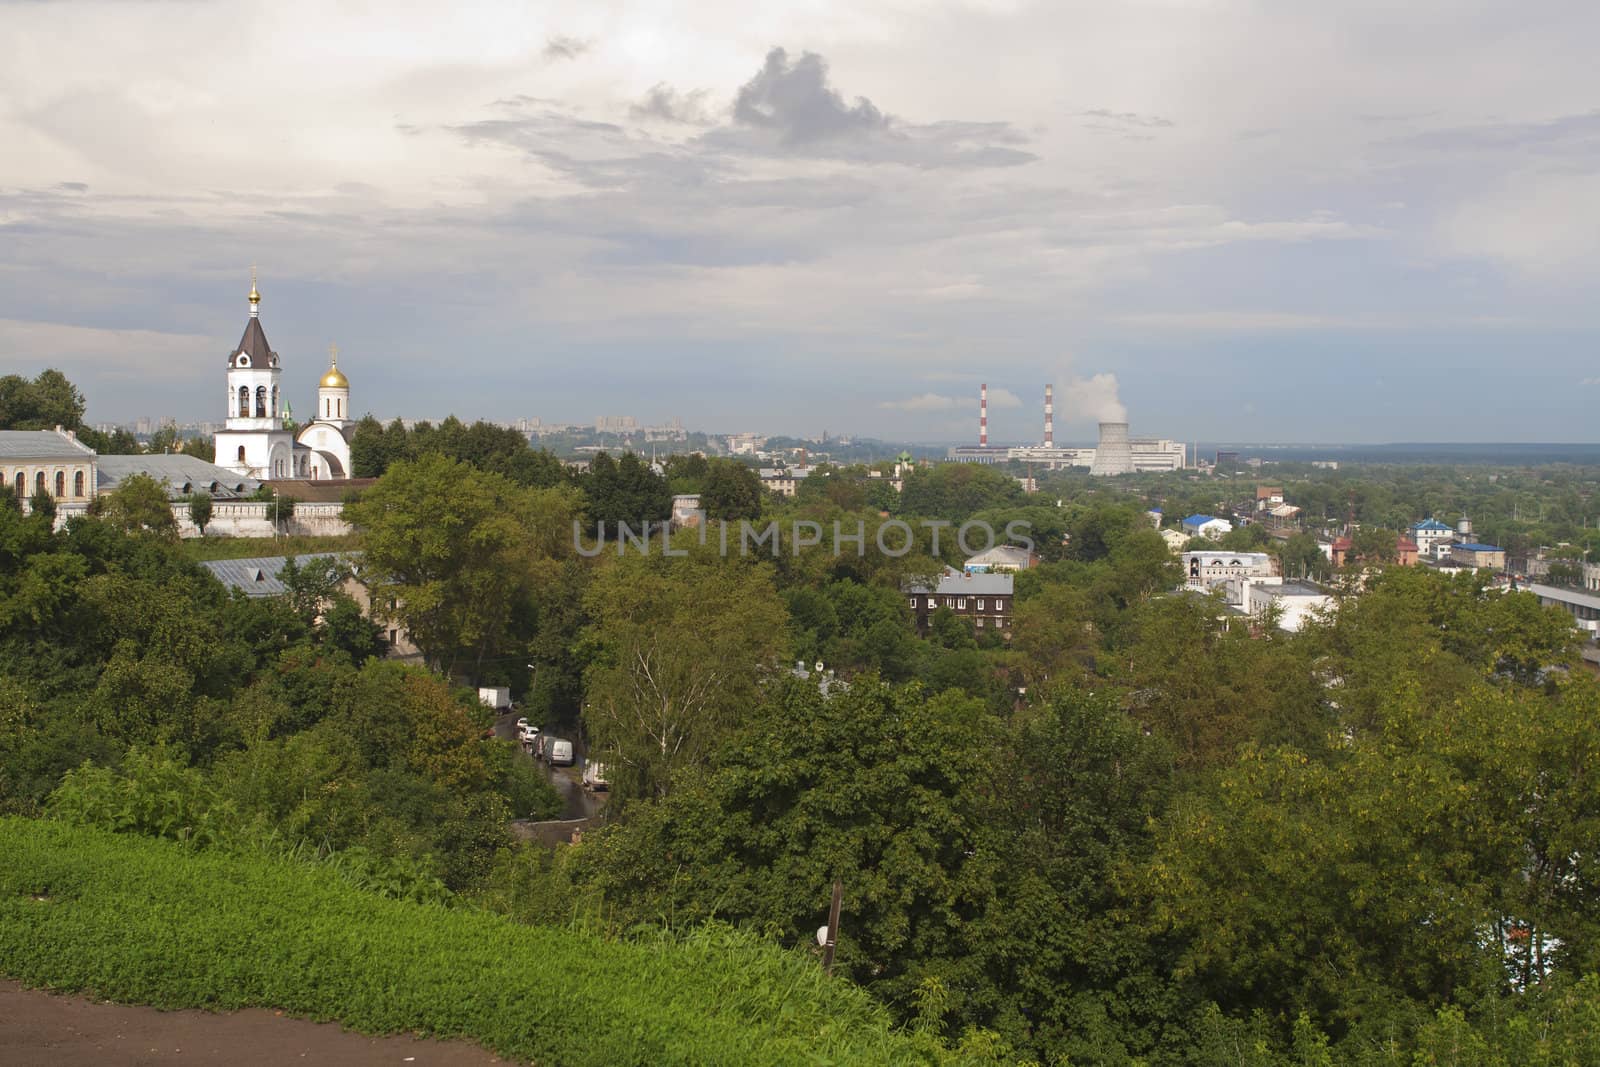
[{"x": 254, "y": 519}]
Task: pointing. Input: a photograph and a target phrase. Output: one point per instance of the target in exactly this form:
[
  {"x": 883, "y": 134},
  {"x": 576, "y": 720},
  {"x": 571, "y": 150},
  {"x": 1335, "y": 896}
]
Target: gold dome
[{"x": 334, "y": 379}]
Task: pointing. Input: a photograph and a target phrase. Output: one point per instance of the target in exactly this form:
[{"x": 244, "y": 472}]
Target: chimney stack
[
  {"x": 1049, "y": 417},
  {"x": 983, "y": 415}
]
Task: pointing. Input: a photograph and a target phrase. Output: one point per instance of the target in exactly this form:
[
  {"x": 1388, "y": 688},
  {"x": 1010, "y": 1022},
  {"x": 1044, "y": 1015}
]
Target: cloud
[
  {"x": 565, "y": 48},
  {"x": 1589, "y": 381},
  {"x": 667, "y": 104},
  {"x": 1578, "y": 134},
  {"x": 1125, "y": 119},
  {"x": 1004, "y": 398},
  {"x": 925, "y": 402},
  {"x": 788, "y": 108},
  {"x": 795, "y": 100}
]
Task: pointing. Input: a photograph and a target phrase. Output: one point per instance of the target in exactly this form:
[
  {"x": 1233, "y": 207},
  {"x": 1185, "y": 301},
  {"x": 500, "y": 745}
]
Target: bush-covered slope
[{"x": 153, "y": 922}]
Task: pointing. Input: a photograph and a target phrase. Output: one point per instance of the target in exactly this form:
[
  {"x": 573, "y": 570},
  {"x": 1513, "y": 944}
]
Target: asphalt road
[{"x": 50, "y": 1030}]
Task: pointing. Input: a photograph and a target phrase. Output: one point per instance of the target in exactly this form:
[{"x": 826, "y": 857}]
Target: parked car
[
  {"x": 526, "y": 734},
  {"x": 557, "y": 752},
  {"x": 594, "y": 777}
]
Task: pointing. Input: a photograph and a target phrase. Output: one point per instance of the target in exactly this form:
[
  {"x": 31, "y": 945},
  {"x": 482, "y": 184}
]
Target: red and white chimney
[
  {"x": 1049, "y": 417},
  {"x": 983, "y": 415}
]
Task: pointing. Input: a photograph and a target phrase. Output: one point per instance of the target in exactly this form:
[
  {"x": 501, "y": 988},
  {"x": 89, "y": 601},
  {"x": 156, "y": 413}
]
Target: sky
[{"x": 1246, "y": 220}]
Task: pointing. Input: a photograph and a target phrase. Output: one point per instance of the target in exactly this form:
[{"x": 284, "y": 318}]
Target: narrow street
[{"x": 580, "y": 807}]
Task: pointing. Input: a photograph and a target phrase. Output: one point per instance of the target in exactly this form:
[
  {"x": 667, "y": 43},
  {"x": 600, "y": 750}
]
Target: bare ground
[{"x": 68, "y": 1031}]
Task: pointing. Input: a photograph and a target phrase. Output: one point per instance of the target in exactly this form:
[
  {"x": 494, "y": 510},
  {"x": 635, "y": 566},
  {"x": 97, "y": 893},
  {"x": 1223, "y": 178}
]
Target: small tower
[{"x": 333, "y": 393}]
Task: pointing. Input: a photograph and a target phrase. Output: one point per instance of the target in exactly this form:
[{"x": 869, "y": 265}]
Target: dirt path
[{"x": 49, "y": 1030}]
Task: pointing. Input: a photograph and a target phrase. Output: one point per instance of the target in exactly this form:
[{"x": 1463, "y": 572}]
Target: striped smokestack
[
  {"x": 1049, "y": 417},
  {"x": 983, "y": 415}
]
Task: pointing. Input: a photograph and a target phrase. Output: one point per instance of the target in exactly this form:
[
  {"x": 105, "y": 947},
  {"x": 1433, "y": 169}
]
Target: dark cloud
[
  {"x": 789, "y": 108},
  {"x": 666, "y": 104},
  {"x": 565, "y": 48},
  {"x": 73, "y": 187},
  {"x": 795, "y": 101}
]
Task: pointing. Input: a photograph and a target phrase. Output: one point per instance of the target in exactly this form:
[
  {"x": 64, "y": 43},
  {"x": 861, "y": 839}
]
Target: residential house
[{"x": 985, "y": 599}]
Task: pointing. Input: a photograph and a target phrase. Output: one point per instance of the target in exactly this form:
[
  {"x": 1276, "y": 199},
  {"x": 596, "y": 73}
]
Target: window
[
  {"x": 978, "y": 622},
  {"x": 241, "y": 453},
  {"x": 913, "y": 603},
  {"x": 38, "y": 482},
  {"x": 327, "y": 408},
  {"x": 961, "y": 603},
  {"x": 261, "y": 401},
  {"x": 931, "y": 602},
  {"x": 274, "y": 401},
  {"x": 21, "y": 483},
  {"x": 338, "y": 407},
  {"x": 980, "y": 603},
  {"x": 77, "y": 484},
  {"x": 244, "y": 403},
  {"x": 61, "y": 484}
]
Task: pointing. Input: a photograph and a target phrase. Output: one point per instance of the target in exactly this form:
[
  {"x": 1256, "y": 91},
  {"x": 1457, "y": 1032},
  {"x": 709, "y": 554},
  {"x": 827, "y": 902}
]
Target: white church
[{"x": 256, "y": 441}]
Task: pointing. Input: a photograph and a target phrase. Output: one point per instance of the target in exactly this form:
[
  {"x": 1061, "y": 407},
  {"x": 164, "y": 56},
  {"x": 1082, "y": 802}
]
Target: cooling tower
[{"x": 1112, "y": 455}]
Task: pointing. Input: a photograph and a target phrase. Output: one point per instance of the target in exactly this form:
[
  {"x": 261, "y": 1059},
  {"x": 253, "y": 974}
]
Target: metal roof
[
  {"x": 41, "y": 444},
  {"x": 1431, "y": 524},
  {"x": 1474, "y": 547},
  {"x": 1563, "y": 596},
  {"x": 181, "y": 475},
  {"x": 259, "y": 576},
  {"x": 1200, "y": 520},
  {"x": 955, "y": 583}
]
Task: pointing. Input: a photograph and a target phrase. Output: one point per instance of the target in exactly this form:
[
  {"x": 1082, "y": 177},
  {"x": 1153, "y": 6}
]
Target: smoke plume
[{"x": 1094, "y": 398}]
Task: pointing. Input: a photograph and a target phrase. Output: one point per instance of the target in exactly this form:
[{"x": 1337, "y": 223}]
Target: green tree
[
  {"x": 457, "y": 553},
  {"x": 139, "y": 505},
  {"x": 200, "y": 510},
  {"x": 875, "y": 786},
  {"x": 679, "y": 652},
  {"x": 732, "y": 491},
  {"x": 47, "y": 401}
]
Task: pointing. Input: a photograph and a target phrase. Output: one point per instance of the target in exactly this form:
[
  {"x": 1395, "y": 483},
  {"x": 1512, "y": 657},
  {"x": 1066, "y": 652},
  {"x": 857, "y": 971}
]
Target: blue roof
[
  {"x": 1155, "y": 511},
  {"x": 1481, "y": 548},
  {"x": 1431, "y": 524},
  {"x": 1199, "y": 520}
]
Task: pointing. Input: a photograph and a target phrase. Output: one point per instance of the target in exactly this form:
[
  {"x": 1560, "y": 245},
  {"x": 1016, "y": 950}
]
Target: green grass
[
  {"x": 153, "y": 922},
  {"x": 200, "y": 549}
]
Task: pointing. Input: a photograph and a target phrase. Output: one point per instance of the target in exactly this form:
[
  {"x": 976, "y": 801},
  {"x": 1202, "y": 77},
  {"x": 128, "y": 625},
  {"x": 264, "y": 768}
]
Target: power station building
[{"x": 1116, "y": 452}]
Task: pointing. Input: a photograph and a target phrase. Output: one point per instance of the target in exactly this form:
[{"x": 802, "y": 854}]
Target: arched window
[
  {"x": 241, "y": 453},
  {"x": 261, "y": 401},
  {"x": 339, "y": 408},
  {"x": 21, "y": 483},
  {"x": 61, "y": 484},
  {"x": 77, "y": 484},
  {"x": 274, "y": 401},
  {"x": 244, "y": 401},
  {"x": 38, "y": 482}
]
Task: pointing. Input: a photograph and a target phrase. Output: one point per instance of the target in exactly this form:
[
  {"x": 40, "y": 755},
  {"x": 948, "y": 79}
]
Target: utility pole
[{"x": 832, "y": 937}]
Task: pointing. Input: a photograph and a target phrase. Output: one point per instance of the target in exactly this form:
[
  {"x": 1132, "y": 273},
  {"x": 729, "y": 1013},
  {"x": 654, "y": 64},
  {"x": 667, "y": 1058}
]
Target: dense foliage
[
  {"x": 149, "y": 921},
  {"x": 1132, "y": 829}
]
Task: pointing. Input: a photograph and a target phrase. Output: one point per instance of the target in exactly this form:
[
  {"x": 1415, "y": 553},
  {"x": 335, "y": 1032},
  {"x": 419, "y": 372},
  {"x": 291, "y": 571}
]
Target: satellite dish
[
  {"x": 819, "y": 666},
  {"x": 822, "y": 935}
]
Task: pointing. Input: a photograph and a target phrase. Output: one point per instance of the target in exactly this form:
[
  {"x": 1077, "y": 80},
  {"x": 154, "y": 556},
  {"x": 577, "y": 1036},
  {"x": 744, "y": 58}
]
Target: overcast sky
[{"x": 1274, "y": 220}]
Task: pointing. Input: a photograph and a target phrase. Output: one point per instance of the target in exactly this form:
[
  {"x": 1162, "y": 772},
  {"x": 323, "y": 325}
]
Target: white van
[
  {"x": 558, "y": 752},
  {"x": 594, "y": 777}
]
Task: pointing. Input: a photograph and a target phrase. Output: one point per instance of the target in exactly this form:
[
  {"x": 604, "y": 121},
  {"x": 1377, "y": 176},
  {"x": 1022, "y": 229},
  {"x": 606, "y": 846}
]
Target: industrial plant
[{"x": 1116, "y": 452}]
